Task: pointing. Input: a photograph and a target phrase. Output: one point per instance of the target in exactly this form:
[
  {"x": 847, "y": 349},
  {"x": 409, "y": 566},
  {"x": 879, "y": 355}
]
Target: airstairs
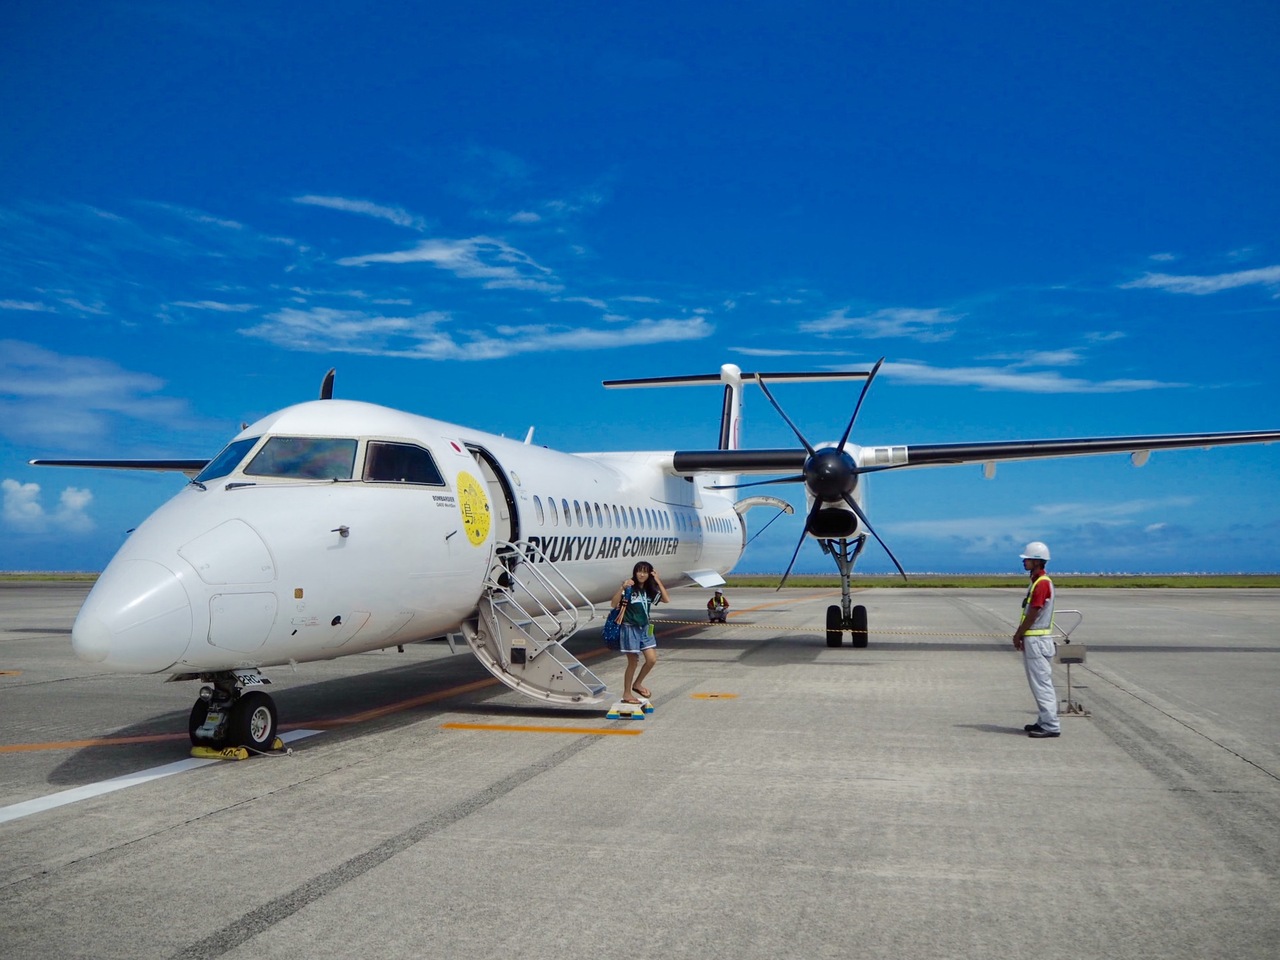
[{"x": 527, "y": 611}]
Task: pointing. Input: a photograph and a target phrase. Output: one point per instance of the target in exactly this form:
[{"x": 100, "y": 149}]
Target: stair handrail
[{"x": 565, "y": 617}]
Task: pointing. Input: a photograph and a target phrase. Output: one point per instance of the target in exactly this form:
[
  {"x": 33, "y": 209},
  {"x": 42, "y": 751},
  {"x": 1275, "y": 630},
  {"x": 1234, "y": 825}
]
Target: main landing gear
[
  {"x": 233, "y": 712},
  {"x": 846, "y": 616}
]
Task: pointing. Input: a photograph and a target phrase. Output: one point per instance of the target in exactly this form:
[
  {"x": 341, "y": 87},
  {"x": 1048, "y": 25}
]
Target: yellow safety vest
[{"x": 1043, "y": 625}]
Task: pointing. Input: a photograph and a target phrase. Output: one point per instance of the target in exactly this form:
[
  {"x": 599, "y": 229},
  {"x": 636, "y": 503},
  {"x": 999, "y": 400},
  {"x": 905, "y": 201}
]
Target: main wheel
[
  {"x": 858, "y": 626},
  {"x": 835, "y": 626},
  {"x": 252, "y": 722}
]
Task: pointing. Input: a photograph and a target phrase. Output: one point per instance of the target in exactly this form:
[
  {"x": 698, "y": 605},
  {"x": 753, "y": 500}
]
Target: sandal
[{"x": 642, "y": 691}]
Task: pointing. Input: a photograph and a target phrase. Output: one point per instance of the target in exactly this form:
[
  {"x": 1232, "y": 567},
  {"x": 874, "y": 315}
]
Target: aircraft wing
[
  {"x": 940, "y": 454},
  {"x": 189, "y": 467}
]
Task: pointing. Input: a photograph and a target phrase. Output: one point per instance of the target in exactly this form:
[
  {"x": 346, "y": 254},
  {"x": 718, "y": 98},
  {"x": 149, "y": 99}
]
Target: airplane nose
[{"x": 137, "y": 618}]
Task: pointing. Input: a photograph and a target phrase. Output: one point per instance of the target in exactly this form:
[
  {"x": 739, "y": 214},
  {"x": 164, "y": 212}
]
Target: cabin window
[
  {"x": 400, "y": 463},
  {"x": 577, "y": 512},
  {"x": 555, "y": 515},
  {"x": 537, "y": 507},
  {"x": 591, "y": 521},
  {"x": 227, "y": 460},
  {"x": 304, "y": 458},
  {"x": 568, "y": 521}
]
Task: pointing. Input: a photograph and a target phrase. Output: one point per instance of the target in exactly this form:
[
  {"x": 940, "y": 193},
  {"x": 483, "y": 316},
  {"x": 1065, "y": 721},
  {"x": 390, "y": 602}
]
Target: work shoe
[
  {"x": 1039, "y": 733},
  {"x": 1032, "y": 726}
]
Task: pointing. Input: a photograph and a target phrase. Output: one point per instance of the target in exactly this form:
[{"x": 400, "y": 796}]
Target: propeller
[{"x": 830, "y": 474}]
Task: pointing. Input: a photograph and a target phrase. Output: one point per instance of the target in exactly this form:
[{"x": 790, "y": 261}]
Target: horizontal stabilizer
[{"x": 711, "y": 379}]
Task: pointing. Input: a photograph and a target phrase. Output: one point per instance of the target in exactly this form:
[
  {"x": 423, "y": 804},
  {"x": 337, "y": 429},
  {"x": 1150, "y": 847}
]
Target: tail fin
[
  {"x": 733, "y": 378},
  {"x": 731, "y": 407}
]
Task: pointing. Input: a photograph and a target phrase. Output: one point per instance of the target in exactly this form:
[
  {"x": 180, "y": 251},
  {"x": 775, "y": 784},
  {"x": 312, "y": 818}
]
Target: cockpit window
[
  {"x": 400, "y": 463},
  {"x": 304, "y": 458},
  {"x": 227, "y": 460}
]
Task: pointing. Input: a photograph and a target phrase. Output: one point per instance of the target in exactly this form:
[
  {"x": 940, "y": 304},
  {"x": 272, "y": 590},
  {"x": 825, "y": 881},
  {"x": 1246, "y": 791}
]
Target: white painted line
[{"x": 40, "y": 804}]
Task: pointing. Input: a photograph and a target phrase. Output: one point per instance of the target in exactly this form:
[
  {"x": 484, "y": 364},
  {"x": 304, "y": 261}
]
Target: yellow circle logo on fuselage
[{"x": 474, "y": 504}]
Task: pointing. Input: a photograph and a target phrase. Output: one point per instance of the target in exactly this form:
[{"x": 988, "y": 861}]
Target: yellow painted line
[
  {"x": 10, "y": 673},
  {"x": 95, "y": 742},
  {"x": 515, "y": 728},
  {"x": 713, "y": 696}
]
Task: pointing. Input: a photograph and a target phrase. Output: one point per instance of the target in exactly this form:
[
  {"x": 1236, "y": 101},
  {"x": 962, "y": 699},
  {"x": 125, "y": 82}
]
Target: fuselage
[{"x": 336, "y": 527}]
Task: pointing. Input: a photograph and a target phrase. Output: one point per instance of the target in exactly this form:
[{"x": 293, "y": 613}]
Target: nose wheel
[
  {"x": 226, "y": 715},
  {"x": 855, "y": 623}
]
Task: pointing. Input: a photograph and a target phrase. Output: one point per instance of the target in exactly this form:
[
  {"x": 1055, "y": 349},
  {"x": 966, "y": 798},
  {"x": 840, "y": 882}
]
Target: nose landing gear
[
  {"x": 846, "y": 616},
  {"x": 228, "y": 715}
]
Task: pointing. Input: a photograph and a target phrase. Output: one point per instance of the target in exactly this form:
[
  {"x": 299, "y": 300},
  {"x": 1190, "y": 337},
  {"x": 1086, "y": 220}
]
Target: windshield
[
  {"x": 227, "y": 460},
  {"x": 304, "y": 458}
]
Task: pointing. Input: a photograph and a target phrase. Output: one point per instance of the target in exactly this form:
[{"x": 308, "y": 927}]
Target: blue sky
[{"x": 1055, "y": 219}]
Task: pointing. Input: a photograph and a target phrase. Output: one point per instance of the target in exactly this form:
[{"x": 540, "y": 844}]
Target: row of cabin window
[
  {"x": 596, "y": 515},
  {"x": 621, "y": 518}
]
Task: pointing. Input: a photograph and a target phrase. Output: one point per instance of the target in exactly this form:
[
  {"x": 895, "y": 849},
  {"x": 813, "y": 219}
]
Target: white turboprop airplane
[{"x": 335, "y": 527}]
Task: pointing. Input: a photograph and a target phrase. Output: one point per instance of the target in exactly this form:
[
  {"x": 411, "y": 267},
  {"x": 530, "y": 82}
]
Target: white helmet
[{"x": 1035, "y": 550}]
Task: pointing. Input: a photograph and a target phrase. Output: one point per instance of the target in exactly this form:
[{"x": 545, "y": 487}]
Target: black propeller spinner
[{"x": 831, "y": 476}]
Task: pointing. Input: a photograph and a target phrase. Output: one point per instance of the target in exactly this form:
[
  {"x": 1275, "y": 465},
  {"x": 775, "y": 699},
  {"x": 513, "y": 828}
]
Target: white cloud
[
  {"x": 214, "y": 305},
  {"x": 925, "y": 326},
  {"x": 24, "y": 512},
  {"x": 1203, "y": 285},
  {"x": 493, "y": 261},
  {"x": 27, "y": 306},
  {"x": 397, "y": 215},
  {"x": 61, "y": 400},
  {"x": 1041, "y": 521},
  {"x": 422, "y": 336},
  {"x": 778, "y": 352},
  {"x": 1013, "y": 379},
  {"x": 1066, "y": 357}
]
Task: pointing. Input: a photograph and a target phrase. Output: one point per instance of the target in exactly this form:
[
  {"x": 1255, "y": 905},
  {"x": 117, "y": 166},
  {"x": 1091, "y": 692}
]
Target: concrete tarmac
[{"x": 785, "y": 799}]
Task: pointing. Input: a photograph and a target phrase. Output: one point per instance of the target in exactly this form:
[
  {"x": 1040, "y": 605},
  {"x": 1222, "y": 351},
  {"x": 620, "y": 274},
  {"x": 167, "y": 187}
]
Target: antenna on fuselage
[{"x": 326, "y": 388}]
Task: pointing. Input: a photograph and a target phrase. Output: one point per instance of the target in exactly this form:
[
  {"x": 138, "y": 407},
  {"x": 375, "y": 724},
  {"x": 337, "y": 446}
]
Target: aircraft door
[{"x": 505, "y": 516}]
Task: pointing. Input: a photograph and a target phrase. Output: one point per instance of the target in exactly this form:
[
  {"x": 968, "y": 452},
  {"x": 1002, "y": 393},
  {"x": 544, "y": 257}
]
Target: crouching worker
[{"x": 717, "y": 608}]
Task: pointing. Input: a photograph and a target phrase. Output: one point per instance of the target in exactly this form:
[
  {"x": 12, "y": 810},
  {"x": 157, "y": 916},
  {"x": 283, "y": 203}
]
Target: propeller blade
[
  {"x": 782, "y": 413},
  {"x": 799, "y": 478},
  {"x": 866, "y": 385},
  {"x": 853, "y": 504},
  {"x": 817, "y": 505}
]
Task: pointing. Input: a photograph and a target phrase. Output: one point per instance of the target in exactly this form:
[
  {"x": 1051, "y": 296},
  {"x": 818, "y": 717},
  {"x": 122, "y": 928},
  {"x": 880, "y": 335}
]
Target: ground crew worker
[
  {"x": 717, "y": 608},
  {"x": 1034, "y": 638}
]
